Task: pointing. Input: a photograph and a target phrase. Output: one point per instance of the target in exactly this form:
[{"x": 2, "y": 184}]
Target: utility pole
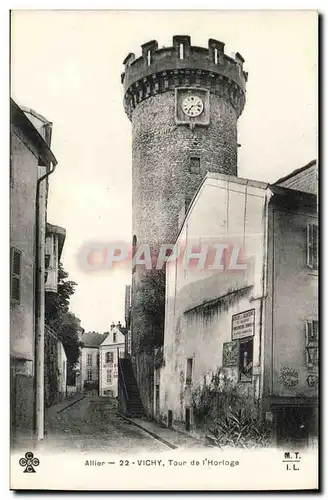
[{"x": 40, "y": 230}]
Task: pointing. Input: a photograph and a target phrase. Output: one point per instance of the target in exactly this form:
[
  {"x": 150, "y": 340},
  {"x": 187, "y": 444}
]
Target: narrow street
[{"x": 93, "y": 424}]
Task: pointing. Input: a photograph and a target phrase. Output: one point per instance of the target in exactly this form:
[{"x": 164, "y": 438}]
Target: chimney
[{"x": 112, "y": 326}]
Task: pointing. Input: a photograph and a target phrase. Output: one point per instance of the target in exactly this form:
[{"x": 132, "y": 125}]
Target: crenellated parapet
[{"x": 183, "y": 65}]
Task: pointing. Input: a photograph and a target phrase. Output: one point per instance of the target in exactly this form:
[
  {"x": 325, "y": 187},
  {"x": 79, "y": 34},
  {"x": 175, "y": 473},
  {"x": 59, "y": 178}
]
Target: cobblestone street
[{"x": 93, "y": 424}]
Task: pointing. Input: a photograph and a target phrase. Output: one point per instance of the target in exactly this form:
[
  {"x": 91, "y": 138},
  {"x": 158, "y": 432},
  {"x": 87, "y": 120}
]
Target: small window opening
[
  {"x": 148, "y": 57},
  {"x": 134, "y": 245},
  {"x": 194, "y": 166},
  {"x": 216, "y": 55},
  {"x": 181, "y": 51}
]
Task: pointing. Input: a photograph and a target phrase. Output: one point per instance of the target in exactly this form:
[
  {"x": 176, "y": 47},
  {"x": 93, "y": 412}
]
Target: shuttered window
[
  {"x": 312, "y": 246},
  {"x": 109, "y": 357},
  {"x": 312, "y": 342},
  {"x": 189, "y": 370},
  {"x": 16, "y": 264}
]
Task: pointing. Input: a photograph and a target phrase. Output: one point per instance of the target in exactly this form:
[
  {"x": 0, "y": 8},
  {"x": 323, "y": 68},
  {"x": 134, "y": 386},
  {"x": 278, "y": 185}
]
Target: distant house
[
  {"x": 89, "y": 361},
  {"x": 111, "y": 348},
  {"x": 62, "y": 371}
]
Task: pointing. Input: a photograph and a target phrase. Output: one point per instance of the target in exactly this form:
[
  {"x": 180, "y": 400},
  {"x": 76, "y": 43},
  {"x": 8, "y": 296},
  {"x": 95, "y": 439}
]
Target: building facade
[
  {"x": 184, "y": 102},
  {"x": 110, "y": 350},
  {"x": 253, "y": 323},
  {"x": 31, "y": 163},
  {"x": 55, "y": 369},
  {"x": 89, "y": 362},
  {"x": 62, "y": 371}
]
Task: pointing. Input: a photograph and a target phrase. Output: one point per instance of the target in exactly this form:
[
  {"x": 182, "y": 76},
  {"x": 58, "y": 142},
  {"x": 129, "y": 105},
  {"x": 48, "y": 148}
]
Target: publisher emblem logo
[{"x": 29, "y": 462}]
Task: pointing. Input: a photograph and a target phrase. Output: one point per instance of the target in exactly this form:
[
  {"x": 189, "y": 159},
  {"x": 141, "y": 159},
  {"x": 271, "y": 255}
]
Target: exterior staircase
[{"x": 128, "y": 392}]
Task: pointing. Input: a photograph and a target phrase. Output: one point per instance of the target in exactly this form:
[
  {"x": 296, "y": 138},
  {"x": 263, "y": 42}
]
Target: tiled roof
[
  {"x": 296, "y": 172},
  {"x": 92, "y": 339}
]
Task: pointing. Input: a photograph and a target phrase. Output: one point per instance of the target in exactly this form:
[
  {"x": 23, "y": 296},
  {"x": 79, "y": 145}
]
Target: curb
[
  {"x": 155, "y": 436},
  {"x": 71, "y": 404}
]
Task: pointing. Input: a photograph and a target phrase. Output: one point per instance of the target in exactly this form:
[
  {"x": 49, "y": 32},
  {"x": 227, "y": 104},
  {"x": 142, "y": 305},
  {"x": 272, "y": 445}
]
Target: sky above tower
[{"x": 66, "y": 65}]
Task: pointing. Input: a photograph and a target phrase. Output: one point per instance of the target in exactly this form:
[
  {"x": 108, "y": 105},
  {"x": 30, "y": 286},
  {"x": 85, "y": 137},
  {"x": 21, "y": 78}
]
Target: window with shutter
[
  {"x": 312, "y": 246},
  {"x": 16, "y": 262},
  {"x": 46, "y": 260},
  {"x": 109, "y": 357},
  {"x": 189, "y": 370},
  {"x": 312, "y": 342}
]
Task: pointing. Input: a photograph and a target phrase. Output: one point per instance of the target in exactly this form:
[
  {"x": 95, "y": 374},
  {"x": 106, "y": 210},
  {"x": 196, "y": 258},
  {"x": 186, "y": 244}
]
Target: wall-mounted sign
[
  {"x": 243, "y": 324},
  {"x": 230, "y": 353}
]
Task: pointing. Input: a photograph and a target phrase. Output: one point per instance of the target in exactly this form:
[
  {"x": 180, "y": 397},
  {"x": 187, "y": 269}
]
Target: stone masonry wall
[
  {"x": 162, "y": 182},
  {"x": 161, "y": 159}
]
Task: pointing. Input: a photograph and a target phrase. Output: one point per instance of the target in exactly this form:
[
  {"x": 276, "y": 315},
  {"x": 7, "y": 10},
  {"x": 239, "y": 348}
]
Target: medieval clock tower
[{"x": 184, "y": 102}]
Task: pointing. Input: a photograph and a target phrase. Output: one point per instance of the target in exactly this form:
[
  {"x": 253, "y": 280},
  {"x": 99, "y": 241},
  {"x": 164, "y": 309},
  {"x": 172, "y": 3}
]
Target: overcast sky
[{"x": 66, "y": 65}]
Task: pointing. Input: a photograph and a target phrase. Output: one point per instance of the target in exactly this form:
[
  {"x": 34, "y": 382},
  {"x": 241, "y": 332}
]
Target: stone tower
[{"x": 183, "y": 102}]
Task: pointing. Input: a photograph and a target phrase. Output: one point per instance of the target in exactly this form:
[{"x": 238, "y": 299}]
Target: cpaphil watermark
[{"x": 212, "y": 255}]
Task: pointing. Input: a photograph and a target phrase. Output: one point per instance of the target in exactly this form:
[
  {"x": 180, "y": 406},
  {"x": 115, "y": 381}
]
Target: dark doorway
[
  {"x": 295, "y": 425},
  {"x": 157, "y": 399},
  {"x": 169, "y": 419},
  {"x": 187, "y": 419}
]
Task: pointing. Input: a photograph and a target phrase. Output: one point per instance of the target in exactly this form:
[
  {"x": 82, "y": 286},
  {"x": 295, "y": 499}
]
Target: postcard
[{"x": 164, "y": 250}]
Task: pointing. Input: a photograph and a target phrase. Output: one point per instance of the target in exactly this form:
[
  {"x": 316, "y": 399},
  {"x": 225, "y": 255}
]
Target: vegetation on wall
[
  {"x": 150, "y": 305},
  {"x": 50, "y": 369},
  {"x": 64, "y": 322},
  {"x": 229, "y": 416}
]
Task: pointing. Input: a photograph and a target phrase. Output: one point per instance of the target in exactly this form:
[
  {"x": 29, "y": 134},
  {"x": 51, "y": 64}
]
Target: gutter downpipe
[
  {"x": 264, "y": 293},
  {"x": 40, "y": 224}
]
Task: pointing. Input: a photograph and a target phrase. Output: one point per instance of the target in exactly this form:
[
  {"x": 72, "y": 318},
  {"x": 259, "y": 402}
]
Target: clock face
[{"x": 192, "y": 105}]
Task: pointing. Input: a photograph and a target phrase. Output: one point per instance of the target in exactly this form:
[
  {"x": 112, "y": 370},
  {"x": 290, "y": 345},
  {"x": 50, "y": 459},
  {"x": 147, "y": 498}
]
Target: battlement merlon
[{"x": 182, "y": 55}]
